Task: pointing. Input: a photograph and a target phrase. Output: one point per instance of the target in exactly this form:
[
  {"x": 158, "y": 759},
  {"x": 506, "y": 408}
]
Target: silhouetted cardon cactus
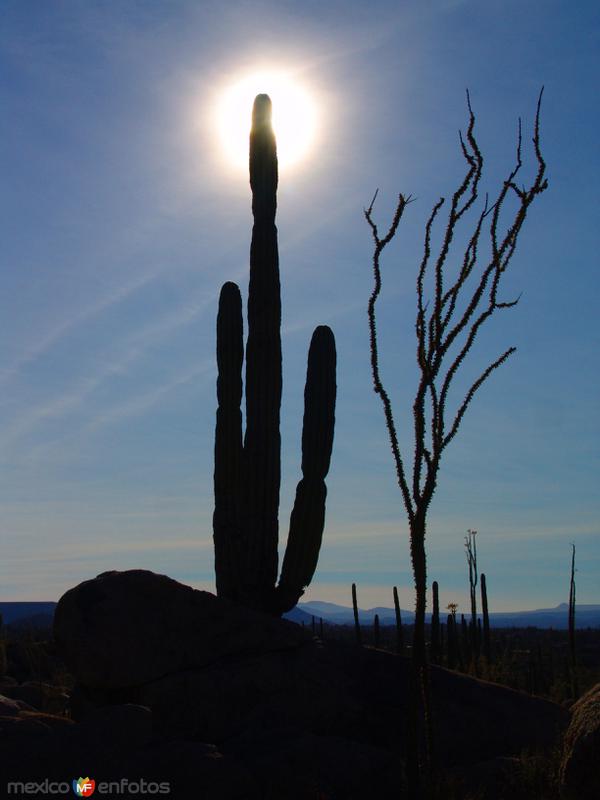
[{"x": 247, "y": 473}]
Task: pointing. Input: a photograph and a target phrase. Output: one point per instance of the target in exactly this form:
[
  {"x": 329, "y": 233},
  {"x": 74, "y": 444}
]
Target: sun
[{"x": 294, "y": 117}]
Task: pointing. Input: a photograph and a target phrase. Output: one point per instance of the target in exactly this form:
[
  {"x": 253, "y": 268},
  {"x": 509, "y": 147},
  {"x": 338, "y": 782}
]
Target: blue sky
[{"x": 121, "y": 221}]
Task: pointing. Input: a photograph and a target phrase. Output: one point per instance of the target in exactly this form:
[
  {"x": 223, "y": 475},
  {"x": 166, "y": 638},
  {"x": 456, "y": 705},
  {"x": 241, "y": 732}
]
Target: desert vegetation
[
  {"x": 530, "y": 659},
  {"x": 36, "y": 680},
  {"x": 156, "y": 681}
]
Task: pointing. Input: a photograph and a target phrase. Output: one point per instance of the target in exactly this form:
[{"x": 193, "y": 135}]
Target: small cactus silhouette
[
  {"x": 356, "y": 619},
  {"x": 435, "y": 626},
  {"x": 399, "y": 632},
  {"x": 487, "y": 649}
]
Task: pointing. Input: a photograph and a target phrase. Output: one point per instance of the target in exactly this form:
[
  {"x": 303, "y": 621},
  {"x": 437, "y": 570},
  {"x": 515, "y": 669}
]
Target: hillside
[{"x": 586, "y": 616}]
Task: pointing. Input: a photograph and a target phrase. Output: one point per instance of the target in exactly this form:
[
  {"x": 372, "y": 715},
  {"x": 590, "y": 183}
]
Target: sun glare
[{"x": 294, "y": 117}]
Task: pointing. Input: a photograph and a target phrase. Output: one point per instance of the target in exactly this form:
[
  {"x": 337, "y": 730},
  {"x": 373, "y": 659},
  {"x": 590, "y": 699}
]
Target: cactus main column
[
  {"x": 262, "y": 442},
  {"x": 247, "y": 477}
]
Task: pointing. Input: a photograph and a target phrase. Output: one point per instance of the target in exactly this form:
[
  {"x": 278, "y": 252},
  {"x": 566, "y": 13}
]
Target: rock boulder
[
  {"x": 125, "y": 629},
  {"x": 579, "y": 775}
]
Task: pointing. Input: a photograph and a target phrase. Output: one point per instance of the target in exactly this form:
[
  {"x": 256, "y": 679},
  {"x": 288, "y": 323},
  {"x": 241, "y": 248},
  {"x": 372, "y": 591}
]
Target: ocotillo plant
[
  {"x": 471, "y": 552},
  {"x": 435, "y": 625},
  {"x": 376, "y": 632},
  {"x": 453, "y": 304},
  {"x": 247, "y": 475}
]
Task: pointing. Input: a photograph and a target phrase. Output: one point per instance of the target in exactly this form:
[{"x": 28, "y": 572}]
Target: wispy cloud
[
  {"x": 59, "y": 566},
  {"x": 133, "y": 350},
  {"x": 146, "y": 400},
  {"x": 67, "y": 326},
  {"x": 85, "y": 550}
]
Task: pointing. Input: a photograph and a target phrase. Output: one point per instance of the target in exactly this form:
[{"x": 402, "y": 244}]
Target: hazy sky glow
[
  {"x": 121, "y": 220},
  {"x": 294, "y": 117}
]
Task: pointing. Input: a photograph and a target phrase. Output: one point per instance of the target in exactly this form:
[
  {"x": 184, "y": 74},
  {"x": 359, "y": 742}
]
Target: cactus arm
[
  {"x": 308, "y": 514},
  {"x": 228, "y": 442},
  {"x": 262, "y": 442},
  {"x": 319, "y": 405}
]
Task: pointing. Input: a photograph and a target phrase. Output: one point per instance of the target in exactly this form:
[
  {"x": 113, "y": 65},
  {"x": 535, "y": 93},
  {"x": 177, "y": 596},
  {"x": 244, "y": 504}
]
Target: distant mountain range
[
  {"x": 586, "y": 616},
  {"x": 31, "y": 615},
  {"x": 40, "y": 615}
]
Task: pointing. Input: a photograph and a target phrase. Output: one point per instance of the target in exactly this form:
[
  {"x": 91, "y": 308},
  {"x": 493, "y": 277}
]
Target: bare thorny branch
[
  {"x": 438, "y": 324},
  {"x": 379, "y": 388}
]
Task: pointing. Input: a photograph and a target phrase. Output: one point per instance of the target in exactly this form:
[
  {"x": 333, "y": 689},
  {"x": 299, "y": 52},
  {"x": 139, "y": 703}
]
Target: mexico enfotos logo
[{"x": 86, "y": 787}]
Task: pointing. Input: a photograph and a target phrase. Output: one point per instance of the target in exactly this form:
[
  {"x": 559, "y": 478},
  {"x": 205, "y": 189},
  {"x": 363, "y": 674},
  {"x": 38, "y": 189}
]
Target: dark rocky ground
[{"x": 148, "y": 679}]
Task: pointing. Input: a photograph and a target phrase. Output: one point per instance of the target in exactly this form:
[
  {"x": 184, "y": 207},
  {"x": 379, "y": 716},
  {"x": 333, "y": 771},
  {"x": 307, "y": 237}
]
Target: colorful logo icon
[{"x": 84, "y": 787}]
